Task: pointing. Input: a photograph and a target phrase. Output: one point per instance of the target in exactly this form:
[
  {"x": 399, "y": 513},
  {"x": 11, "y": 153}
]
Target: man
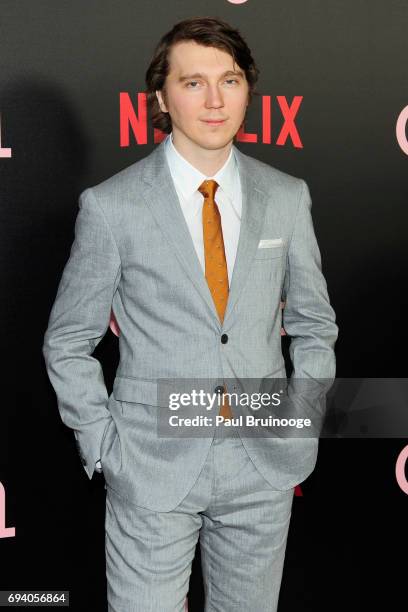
[{"x": 193, "y": 248}]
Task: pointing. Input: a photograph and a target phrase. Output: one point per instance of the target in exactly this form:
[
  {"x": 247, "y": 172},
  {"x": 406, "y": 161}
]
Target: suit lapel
[
  {"x": 252, "y": 218},
  {"x": 161, "y": 198}
]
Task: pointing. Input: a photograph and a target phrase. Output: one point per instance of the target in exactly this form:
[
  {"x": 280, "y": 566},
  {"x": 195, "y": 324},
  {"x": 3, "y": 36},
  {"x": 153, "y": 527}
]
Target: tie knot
[{"x": 208, "y": 188}]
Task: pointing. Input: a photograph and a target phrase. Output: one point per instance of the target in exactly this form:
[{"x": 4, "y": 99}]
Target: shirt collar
[{"x": 188, "y": 179}]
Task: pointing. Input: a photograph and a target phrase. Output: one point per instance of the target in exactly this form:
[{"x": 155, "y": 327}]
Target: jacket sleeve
[
  {"x": 308, "y": 317},
  {"x": 78, "y": 321}
]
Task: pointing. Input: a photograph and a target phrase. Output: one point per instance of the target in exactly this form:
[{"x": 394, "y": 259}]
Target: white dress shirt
[{"x": 228, "y": 197}]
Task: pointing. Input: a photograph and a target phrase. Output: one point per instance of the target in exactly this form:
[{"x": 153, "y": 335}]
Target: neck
[{"x": 207, "y": 161}]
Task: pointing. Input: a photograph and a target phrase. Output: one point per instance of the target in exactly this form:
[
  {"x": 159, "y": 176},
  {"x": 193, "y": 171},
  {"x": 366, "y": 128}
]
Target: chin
[{"x": 218, "y": 142}]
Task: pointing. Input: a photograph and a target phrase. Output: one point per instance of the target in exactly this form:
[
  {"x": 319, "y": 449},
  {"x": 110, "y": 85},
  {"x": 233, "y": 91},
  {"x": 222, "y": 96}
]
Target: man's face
[{"x": 203, "y": 84}]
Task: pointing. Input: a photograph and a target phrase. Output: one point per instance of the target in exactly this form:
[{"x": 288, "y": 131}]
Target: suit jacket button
[
  {"x": 224, "y": 338},
  {"x": 220, "y": 389}
]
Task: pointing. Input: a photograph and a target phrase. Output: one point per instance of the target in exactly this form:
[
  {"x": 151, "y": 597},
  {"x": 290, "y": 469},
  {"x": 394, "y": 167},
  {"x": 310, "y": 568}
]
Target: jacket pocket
[
  {"x": 269, "y": 253},
  {"x": 142, "y": 391}
]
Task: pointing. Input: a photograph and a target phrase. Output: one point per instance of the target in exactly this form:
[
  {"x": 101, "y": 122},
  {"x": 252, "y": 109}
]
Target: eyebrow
[{"x": 198, "y": 75}]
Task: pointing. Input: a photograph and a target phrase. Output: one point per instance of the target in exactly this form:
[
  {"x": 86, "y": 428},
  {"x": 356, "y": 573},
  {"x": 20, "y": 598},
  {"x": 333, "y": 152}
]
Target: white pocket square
[{"x": 270, "y": 243}]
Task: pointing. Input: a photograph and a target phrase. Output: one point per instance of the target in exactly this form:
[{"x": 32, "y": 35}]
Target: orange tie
[{"x": 216, "y": 272}]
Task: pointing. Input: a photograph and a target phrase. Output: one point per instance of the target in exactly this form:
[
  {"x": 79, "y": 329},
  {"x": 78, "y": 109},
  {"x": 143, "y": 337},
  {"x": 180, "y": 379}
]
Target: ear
[{"x": 160, "y": 100}]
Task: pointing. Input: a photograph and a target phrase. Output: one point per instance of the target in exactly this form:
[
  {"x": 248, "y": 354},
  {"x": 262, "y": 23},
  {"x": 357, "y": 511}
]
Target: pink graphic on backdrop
[
  {"x": 400, "y": 470},
  {"x": 4, "y": 151},
  {"x": 400, "y": 129},
  {"x": 237, "y": 1},
  {"x": 113, "y": 324},
  {"x": 5, "y": 532}
]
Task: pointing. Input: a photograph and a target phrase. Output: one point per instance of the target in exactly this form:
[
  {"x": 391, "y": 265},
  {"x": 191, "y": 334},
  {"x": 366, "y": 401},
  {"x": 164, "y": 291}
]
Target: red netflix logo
[{"x": 136, "y": 121}]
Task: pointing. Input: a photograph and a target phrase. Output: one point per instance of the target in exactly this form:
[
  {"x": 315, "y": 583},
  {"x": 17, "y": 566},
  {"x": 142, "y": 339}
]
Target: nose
[{"x": 214, "y": 98}]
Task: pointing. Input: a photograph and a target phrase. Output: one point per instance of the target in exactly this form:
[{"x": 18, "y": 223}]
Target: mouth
[{"x": 214, "y": 121}]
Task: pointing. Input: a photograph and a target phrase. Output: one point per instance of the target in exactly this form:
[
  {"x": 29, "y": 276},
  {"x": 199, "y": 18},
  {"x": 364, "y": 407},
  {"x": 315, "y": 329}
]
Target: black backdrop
[{"x": 62, "y": 68}]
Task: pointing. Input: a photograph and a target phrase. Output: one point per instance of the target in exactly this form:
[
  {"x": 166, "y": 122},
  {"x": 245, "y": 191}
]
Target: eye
[{"x": 192, "y": 84}]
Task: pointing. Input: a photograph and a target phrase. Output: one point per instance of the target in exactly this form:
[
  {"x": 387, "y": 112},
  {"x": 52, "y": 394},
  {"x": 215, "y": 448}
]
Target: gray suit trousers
[{"x": 242, "y": 525}]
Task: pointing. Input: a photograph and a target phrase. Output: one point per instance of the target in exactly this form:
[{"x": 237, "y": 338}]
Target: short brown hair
[{"x": 206, "y": 31}]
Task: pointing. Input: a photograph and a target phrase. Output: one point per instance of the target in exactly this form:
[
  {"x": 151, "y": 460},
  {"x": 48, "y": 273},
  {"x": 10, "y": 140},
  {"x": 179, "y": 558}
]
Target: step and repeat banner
[{"x": 331, "y": 108}]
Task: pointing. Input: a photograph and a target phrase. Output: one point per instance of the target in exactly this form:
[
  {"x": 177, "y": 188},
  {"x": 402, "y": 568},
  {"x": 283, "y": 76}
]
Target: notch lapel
[
  {"x": 253, "y": 213},
  {"x": 161, "y": 197}
]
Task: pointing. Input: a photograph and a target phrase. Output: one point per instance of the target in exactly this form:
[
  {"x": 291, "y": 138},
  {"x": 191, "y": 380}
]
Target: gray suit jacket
[{"x": 133, "y": 254}]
